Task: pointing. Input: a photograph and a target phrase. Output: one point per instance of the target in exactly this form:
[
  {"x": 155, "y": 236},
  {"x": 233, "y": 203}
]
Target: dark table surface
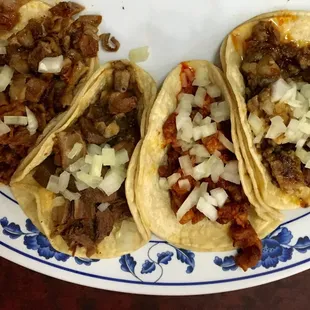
[{"x": 21, "y": 288}]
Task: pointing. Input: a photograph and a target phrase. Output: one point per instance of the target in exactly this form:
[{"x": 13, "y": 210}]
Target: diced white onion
[
  {"x": 108, "y": 157},
  {"x": 89, "y": 159},
  {"x": 220, "y": 111},
  {"x": 71, "y": 196},
  {"x": 103, "y": 206},
  {"x": 96, "y": 166},
  {"x": 77, "y": 165},
  {"x": 206, "y": 121},
  {"x": 63, "y": 182},
  {"x": 4, "y": 129},
  {"x": 121, "y": 157},
  {"x": 301, "y": 142},
  {"x": 6, "y": 75},
  {"x": 186, "y": 165},
  {"x": 58, "y": 201},
  {"x": 204, "y": 169},
  {"x": 94, "y": 149},
  {"x": 51, "y": 64},
  {"x": 112, "y": 182},
  {"x": 2, "y": 50},
  {"x": 182, "y": 120},
  {"x": 305, "y": 91},
  {"x": 185, "y": 104},
  {"x": 185, "y": 146},
  {"x": 173, "y": 179},
  {"x": 81, "y": 185},
  {"x": 201, "y": 77},
  {"x": 276, "y": 128},
  {"x": 189, "y": 202},
  {"x": 163, "y": 184},
  {"x": 257, "y": 125},
  {"x": 139, "y": 54},
  {"x": 200, "y": 97},
  {"x": 77, "y": 148},
  {"x": 207, "y": 209},
  {"x": 32, "y": 122},
  {"x": 204, "y": 131},
  {"x": 200, "y": 151},
  {"x": 226, "y": 142},
  {"x": 4, "y": 43},
  {"x": 304, "y": 125},
  {"x": 53, "y": 184},
  {"x": 184, "y": 184},
  {"x": 278, "y": 90},
  {"x": 258, "y": 138},
  {"x": 233, "y": 178},
  {"x": 303, "y": 155},
  {"x": 186, "y": 132},
  {"x": 210, "y": 199},
  {"x": 16, "y": 120},
  {"x": 217, "y": 170},
  {"x": 293, "y": 134},
  {"x": 220, "y": 195},
  {"x": 213, "y": 91},
  {"x": 197, "y": 119},
  {"x": 91, "y": 181},
  {"x": 232, "y": 167}
]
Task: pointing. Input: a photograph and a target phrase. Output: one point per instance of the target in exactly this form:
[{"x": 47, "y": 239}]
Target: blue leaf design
[
  {"x": 270, "y": 262},
  {"x": 286, "y": 254},
  {"x": 31, "y": 242},
  {"x": 30, "y": 227},
  {"x": 218, "y": 261},
  {"x": 148, "y": 267},
  {"x": 12, "y": 230},
  {"x": 302, "y": 244},
  {"x": 43, "y": 241},
  {"x": 227, "y": 264},
  {"x": 284, "y": 236},
  {"x": 187, "y": 257},
  {"x": 164, "y": 257},
  {"x": 61, "y": 256},
  {"x": 4, "y": 222},
  {"x": 128, "y": 263},
  {"x": 46, "y": 252},
  {"x": 85, "y": 261}
]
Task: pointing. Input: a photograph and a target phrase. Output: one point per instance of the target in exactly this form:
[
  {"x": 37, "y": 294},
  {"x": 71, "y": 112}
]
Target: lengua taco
[
  {"x": 46, "y": 55},
  {"x": 188, "y": 185},
  {"x": 267, "y": 64},
  {"x": 80, "y": 184}
]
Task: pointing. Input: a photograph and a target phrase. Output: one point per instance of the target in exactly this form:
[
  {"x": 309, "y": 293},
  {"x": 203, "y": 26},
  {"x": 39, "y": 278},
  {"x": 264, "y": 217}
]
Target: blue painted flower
[
  {"x": 148, "y": 267},
  {"x": 85, "y": 261},
  {"x": 228, "y": 263},
  {"x": 187, "y": 257}
]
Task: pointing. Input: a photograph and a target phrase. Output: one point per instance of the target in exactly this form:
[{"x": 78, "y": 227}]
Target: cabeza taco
[
  {"x": 267, "y": 63},
  {"x": 46, "y": 56},
  {"x": 80, "y": 183},
  {"x": 189, "y": 190}
]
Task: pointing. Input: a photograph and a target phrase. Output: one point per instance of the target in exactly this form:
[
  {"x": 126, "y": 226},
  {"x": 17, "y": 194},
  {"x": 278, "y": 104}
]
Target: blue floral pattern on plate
[
  {"x": 276, "y": 248},
  {"x": 34, "y": 240}
]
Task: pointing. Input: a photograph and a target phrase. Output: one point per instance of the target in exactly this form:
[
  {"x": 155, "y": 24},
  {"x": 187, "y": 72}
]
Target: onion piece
[
  {"x": 207, "y": 209},
  {"x": 210, "y": 199},
  {"x": 220, "y": 195},
  {"x": 58, "y": 201},
  {"x": 186, "y": 132},
  {"x": 305, "y": 91},
  {"x": 173, "y": 179},
  {"x": 304, "y": 125},
  {"x": 2, "y": 50},
  {"x": 185, "y": 103},
  {"x": 51, "y": 64},
  {"x": 63, "y": 181},
  {"x": 204, "y": 131},
  {"x": 197, "y": 119},
  {"x": 217, "y": 170},
  {"x": 226, "y": 142},
  {"x": 257, "y": 125},
  {"x": 258, "y": 138},
  {"x": 108, "y": 157},
  {"x": 94, "y": 149},
  {"x": 232, "y": 167},
  {"x": 182, "y": 120},
  {"x": 103, "y": 206},
  {"x": 213, "y": 91},
  {"x": 186, "y": 165},
  {"x": 85, "y": 168},
  {"x": 278, "y": 89},
  {"x": 77, "y": 148},
  {"x": 121, "y": 157},
  {"x": 303, "y": 155},
  {"x": 96, "y": 166},
  {"x": 16, "y": 120},
  {"x": 204, "y": 169},
  {"x": 220, "y": 111},
  {"x": 4, "y": 129},
  {"x": 77, "y": 165},
  {"x": 112, "y": 182},
  {"x": 201, "y": 77},
  {"x": 89, "y": 159},
  {"x": 139, "y": 54},
  {"x": 91, "y": 181},
  {"x": 206, "y": 121},
  {"x": 189, "y": 202},
  {"x": 276, "y": 128},
  {"x": 200, "y": 151},
  {"x": 6, "y": 75},
  {"x": 52, "y": 184},
  {"x": 233, "y": 178},
  {"x": 185, "y": 146},
  {"x": 200, "y": 97},
  {"x": 184, "y": 184},
  {"x": 81, "y": 185},
  {"x": 163, "y": 184},
  {"x": 32, "y": 122},
  {"x": 292, "y": 133},
  {"x": 71, "y": 196},
  {"x": 4, "y": 43}
]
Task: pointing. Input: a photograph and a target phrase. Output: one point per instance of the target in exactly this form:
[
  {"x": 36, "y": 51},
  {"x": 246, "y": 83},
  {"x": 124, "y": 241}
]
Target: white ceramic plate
[{"x": 175, "y": 30}]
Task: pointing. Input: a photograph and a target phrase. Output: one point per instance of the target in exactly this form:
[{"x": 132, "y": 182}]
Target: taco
[
  {"x": 188, "y": 188},
  {"x": 46, "y": 56},
  {"x": 75, "y": 185},
  {"x": 267, "y": 63}
]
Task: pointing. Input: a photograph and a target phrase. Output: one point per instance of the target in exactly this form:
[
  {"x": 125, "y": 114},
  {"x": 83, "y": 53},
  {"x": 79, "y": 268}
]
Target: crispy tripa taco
[
  {"x": 75, "y": 185},
  {"x": 46, "y": 56},
  {"x": 266, "y": 61},
  {"x": 188, "y": 187}
]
